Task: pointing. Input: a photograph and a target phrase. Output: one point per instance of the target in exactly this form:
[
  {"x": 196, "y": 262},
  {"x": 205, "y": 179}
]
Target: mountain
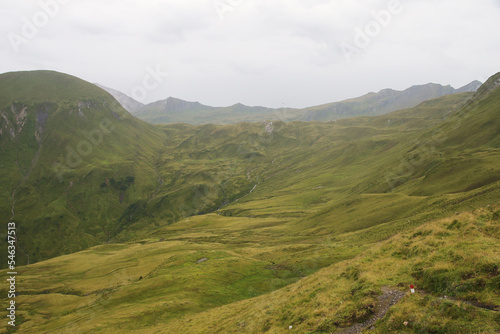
[
  {"x": 62, "y": 139},
  {"x": 250, "y": 227},
  {"x": 383, "y": 102},
  {"x": 126, "y": 101},
  {"x": 471, "y": 87},
  {"x": 174, "y": 110}
]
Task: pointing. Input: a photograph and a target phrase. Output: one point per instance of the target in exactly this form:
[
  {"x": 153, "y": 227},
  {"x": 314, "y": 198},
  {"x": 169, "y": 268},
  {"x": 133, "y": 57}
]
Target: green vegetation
[
  {"x": 455, "y": 271},
  {"x": 59, "y": 142},
  {"x": 192, "y": 278},
  {"x": 251, "y": 227}
]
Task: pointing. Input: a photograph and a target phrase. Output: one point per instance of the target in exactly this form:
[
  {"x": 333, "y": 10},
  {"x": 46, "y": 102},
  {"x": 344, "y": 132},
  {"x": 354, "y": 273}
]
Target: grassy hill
[
  {"x": 254, "y": 227},
  {"x": 61, "y": 139}
]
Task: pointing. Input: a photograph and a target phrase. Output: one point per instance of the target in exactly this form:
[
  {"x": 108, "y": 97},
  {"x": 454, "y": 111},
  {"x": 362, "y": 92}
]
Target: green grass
[
  {"x": 289, "y": 220},
  {"x": 442, "y": 258},
  {"x": 181, "y": 170},
  {"x": 160, "y": 285}
]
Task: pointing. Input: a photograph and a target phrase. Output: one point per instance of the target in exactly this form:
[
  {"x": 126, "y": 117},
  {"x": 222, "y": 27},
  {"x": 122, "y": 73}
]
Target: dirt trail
[{"x": 388, "y": 298}]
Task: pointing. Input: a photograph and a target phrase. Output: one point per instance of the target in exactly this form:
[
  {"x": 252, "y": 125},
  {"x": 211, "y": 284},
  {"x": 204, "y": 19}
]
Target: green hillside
[
  {"x": 61, "y": 139},
  {"x": 253, "y": 227},
  {"x": 192, "y": 281}
]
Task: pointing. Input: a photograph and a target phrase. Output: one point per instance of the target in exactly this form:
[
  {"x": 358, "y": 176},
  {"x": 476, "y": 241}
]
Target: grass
[
  {"x": 454, "y": 257},
  {"x": 250, "y": 284},
  {"x": 289, "y": 220}
]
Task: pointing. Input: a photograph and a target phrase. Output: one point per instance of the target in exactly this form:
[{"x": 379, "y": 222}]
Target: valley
[{"x": 249, "y": 227}]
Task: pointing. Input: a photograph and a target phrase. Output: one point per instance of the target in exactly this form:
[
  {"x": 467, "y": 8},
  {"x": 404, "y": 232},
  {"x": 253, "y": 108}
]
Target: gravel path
[{"x": 388, "y": 298}]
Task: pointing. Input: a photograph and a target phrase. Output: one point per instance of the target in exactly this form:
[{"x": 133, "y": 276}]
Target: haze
[{"x": 272, "y": 53}]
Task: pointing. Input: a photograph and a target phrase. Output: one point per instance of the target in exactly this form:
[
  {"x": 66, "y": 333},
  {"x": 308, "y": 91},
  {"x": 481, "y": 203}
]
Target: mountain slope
[
  {"x": 239, "y": 211},
  {"x": 78, "y": 170},
  {"x": 125, "y": 101},
  {"x": 153, "y": 176},
  {"x": 173, "y": 287},
  {"x": 61, "y": 138},
  {"x": 383, "y": 102},
  {"x": 177, "y": 111},
  {"x": 471, "y": 87},
  {"x": 456, "y": 288}
]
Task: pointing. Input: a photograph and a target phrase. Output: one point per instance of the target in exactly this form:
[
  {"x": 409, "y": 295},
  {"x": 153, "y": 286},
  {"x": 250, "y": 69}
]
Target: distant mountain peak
[
  {"x": 470, "y": 87},
  {"x": 175, "y": 104},
  {"x": 174, "y": 99},
  {"x": 128, "y": 103}
]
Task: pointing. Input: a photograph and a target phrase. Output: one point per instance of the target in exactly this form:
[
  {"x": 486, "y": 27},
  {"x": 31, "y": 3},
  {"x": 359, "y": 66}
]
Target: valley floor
[{"x": 222, "y": 278}]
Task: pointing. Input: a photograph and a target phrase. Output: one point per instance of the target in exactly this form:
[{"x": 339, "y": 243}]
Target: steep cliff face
[{"x": 12, "y": 120}]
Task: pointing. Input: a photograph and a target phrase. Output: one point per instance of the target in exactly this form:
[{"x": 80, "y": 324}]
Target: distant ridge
[
  {"x": 173, "y": 110},
  {"x": 383, "y": 102}
]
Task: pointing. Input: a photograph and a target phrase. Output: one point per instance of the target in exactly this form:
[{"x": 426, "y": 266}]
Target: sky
[{"x": 273, "y": 53}]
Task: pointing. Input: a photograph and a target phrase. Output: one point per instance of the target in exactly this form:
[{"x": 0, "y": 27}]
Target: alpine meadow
[{"x": 307, "y": 221}]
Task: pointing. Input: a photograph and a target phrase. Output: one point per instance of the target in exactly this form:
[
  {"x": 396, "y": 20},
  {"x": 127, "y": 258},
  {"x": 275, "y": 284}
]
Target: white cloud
[{"x": 263, "y": 52}]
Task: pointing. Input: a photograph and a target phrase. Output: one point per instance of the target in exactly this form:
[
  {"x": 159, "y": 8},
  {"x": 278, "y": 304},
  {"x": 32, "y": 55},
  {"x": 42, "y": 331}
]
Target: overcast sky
[{"x": 274, "y": 53}]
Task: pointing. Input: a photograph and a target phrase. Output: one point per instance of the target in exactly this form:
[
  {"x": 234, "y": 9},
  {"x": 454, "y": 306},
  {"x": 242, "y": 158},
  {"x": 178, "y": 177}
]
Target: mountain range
[
  {"x": 253, "y": 227},
  {"x": 172, "y": 110}
]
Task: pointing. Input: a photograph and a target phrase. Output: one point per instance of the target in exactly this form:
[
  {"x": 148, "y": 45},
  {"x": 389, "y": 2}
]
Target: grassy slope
[
  {"x": 456, "y": 257},
  {"x": 178, "y": 172},
  {"x": 321, "y": 198},
  {"x": 158, "y": 285},
  {"x": 64, "y": 209}
]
